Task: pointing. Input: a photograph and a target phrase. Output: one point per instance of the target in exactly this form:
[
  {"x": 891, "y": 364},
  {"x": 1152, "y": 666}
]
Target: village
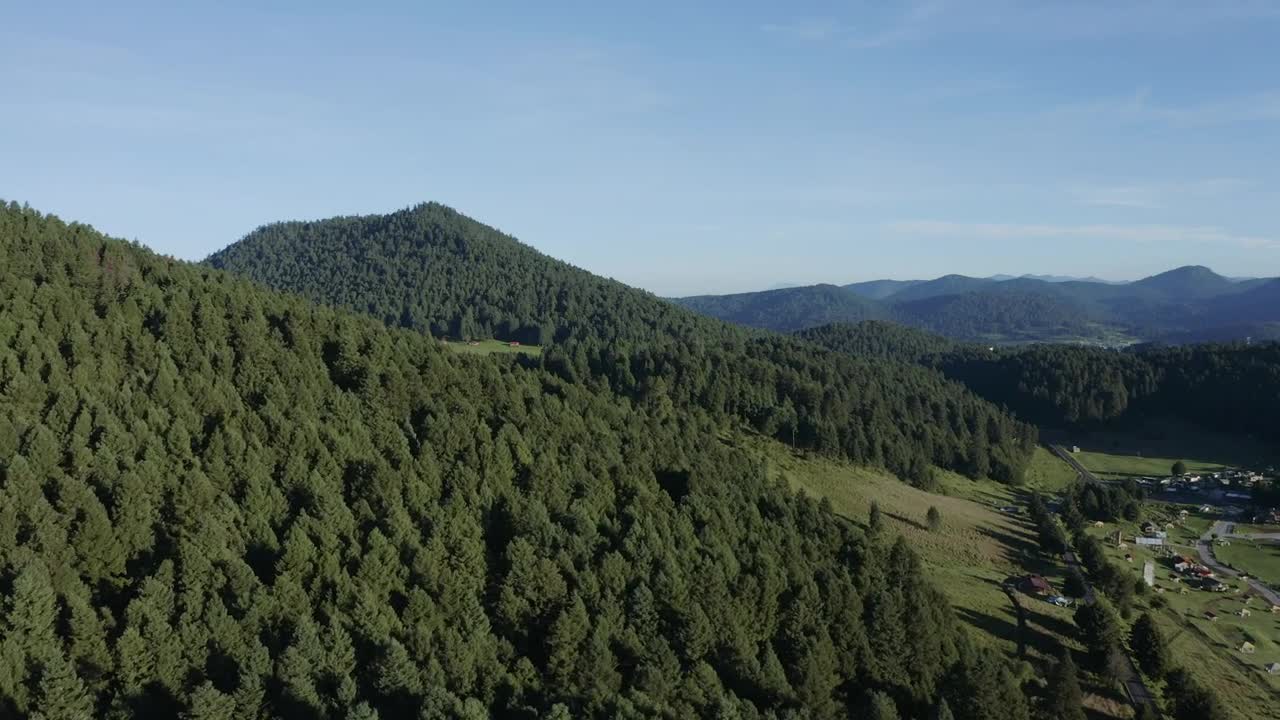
[{"x": 1203, "y": 555}]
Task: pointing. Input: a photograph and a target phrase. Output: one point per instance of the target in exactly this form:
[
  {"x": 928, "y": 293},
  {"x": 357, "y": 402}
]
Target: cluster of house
[
  {"x": 1197, "y": 575},
  {"x": 1232, "y": 483}
]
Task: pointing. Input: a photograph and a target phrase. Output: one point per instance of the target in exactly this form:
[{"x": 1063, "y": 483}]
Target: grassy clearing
[
  {"x": 1209, "y": 649},
  {"x": 1251, "y": 529},
  {"x": 977, "y": 548},
  {"x": 1152, "y": 447},
  {"x": 1048, "y": 473},
  {"x": 492, "y": 347},
  {"x": 1260, "y": 559},
  {"x": 969, "y": 558},
  {"x": 1106, "y": 464}
]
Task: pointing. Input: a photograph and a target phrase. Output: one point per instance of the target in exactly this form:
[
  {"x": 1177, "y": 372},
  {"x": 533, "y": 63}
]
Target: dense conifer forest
[
  {"x": 1225, "y": 387},
  {"x": 433, "y": 270},
  {"x": 1231, "y": 388},
  {"x": 878, "y": 339},
  {"x": 219, "y": 501}
]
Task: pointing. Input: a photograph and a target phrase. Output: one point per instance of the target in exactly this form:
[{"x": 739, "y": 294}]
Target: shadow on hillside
[
  {"x": 996, "y": 627},
  {"x": 905, "y": 520},
  {"x": 1054, "y": 626},
  {"x": 1017, "y": 546}
]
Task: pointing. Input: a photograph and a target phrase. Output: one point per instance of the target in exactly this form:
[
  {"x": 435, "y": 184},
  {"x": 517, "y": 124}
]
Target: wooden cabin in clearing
[{"x": 1035, "y": 585}]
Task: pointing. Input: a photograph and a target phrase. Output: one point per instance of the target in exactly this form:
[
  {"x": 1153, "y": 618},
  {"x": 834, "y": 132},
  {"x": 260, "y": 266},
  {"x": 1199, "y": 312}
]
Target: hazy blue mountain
[
  {"x": 789, "y": 309},
  {"x": 1189, "y": 282},
  {"x": 1186, "y": 302},
  {"x": 880, "y": 289},
  {"x": 945, "y": 285}
]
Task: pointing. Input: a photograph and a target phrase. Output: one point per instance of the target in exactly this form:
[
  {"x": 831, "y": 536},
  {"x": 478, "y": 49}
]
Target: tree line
[{"x": 1231, "y": 387}]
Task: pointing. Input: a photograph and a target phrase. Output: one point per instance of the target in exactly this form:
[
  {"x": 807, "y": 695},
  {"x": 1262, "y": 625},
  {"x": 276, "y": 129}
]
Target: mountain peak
[{"x": 1189, "y": 282}]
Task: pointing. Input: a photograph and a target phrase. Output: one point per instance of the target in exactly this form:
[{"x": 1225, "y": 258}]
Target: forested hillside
[
  {"x": 999, "y": 316},
  {"x": 788, "y": 309},
  {"x": 432, "y": 269},
  {"x": 219, "y": 501},
  {"x": 1229, "y": 388},
  {"x": 1225, "y": 387},
  {"x": 877, "y": 339}
]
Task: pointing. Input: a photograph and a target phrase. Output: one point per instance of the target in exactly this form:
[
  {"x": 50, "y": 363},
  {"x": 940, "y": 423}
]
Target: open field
[
  {"x": 1257, "y": 558},
  {"x": 1153, "y": 447},
  {"x": 969, "y": 558},
  {"x": 1111, "y": 465},
  {"x": 1048, "y": 473},
  {"x": 977, "y": 548},
  {"x": 1209, "y": 649},
  {"x": 492, "y": 347},
  {"x": 1251, "y": 529}
]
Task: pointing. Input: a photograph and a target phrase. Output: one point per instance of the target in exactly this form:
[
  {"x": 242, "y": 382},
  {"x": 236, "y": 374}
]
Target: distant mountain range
[{"x": 1182, "y": 305}]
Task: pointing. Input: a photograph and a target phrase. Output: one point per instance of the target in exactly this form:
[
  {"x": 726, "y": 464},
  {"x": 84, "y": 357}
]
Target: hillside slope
[
  {"x": 788, "y": 309},
  {"x": 431, "y": 262},
  {"x": 221, "y": 501}
]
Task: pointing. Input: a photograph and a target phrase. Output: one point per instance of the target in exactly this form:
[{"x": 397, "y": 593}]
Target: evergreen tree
[
  {"x": 63, "y": 695},
  {"x": 1063, "y": 697},
  {"x": 1149, "y": 646},
  {"x": 1100, "y": 632},
  {"x": 934, "y": 519},
  {"x": 880, "y": 706},
  {"x": 1074, "y": 584},
  {"x": 875, "y": 523},
  {"x": 206, "y": 703}
]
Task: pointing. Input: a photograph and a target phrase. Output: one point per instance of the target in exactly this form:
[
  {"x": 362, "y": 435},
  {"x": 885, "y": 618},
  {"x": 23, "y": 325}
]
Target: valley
[
  {"x": 640, "y": 361},
  {"x": 428, "y": 505}
]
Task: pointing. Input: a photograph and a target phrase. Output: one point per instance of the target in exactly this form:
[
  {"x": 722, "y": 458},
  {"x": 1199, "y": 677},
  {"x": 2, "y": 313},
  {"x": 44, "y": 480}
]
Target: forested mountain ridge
[
  {"x": 788, "y": 309},
  {"x": 1189, "y": 302},
  {"x": 433, "y": 269},
  {"x": 217, "y": 500}
]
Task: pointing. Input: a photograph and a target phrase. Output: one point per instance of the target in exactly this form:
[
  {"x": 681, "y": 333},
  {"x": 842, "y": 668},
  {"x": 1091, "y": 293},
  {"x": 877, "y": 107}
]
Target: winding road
[{"x": 1223, "y": 529}]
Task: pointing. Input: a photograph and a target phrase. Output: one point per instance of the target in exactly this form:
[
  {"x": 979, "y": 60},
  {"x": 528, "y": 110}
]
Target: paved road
[
  {"x": 1070, "y": 459},
  {"x": 1139, "y": 693},
  {"x": 1223, "y": 528}
]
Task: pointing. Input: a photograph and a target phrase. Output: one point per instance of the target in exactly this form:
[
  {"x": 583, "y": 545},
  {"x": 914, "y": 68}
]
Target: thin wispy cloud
[
  {"x": 868, "y": 27},
  {"x": 866, "y": 32},
  {"x": 1141, "y": 106},
  {"x": 1153, "y": 195},
  {"x": 914, "y": 24},
  {"x": 807, "y": 29},
  {"x": 1109, "y": 232}
]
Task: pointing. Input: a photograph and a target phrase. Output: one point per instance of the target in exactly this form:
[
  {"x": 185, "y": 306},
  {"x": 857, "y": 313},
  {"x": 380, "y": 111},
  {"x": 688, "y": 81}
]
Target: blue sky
[{"x": 717, "y": 148}]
